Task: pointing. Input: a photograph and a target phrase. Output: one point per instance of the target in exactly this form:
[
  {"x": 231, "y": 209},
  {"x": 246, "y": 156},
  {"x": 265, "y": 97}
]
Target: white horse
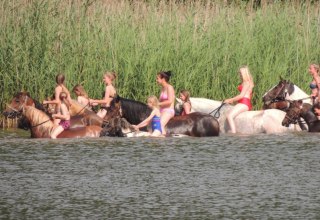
[{"x": 250, "y": 122}]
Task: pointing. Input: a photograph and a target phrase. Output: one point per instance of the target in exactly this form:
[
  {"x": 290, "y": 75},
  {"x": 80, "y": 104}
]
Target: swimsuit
[
  {"x": 65, "y": 124},
  {"x": 313, "y": 86},
  {"x": 163, "y": 97},
  {"x": 246, "y": 101},
  {"x": 155, "y": 124}
]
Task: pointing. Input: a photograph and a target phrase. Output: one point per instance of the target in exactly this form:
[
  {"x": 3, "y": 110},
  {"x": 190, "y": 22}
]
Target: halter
[{"x": 21, "y": 106}]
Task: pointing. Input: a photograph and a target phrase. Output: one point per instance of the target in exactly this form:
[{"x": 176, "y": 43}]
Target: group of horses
[{"x": 284, "y": 106}]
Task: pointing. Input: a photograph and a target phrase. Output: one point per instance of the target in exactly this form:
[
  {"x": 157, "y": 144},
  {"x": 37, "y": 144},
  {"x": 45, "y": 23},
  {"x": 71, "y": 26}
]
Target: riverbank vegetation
[{"x": 202, "y": 42}]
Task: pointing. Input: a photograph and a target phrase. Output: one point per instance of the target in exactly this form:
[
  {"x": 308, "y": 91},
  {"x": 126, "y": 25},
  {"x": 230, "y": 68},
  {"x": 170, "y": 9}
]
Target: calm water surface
[{"x": 226, "y": 177}]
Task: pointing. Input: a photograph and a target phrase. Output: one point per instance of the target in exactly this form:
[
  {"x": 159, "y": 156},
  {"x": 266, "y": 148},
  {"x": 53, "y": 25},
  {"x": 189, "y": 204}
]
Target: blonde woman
[
  {"x": 243, "y": 99},
  {"x": 82, "y": 96},
  {"x": 60, "y": 87},
  {"x": 109, "y": 94},
  {"x": 153, "y": 118},
  {"x": 315, "y": 83}
]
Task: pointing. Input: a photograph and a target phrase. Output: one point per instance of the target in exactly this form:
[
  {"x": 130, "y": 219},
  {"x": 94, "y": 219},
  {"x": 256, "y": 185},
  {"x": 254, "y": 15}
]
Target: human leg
[
  {"x": 164, "y": 118},
  {"x": 56, "y": 131},
  {"x": 238, "y": 108}
]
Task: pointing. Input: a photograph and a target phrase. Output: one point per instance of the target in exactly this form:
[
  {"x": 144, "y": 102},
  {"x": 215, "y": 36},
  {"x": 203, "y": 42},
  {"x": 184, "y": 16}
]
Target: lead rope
[{"x": 217, "y": 110}]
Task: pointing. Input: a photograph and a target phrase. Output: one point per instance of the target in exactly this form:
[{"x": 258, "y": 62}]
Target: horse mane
[
  {"x": 134, "y": 111},
  {"x": 37, "y": 117}
]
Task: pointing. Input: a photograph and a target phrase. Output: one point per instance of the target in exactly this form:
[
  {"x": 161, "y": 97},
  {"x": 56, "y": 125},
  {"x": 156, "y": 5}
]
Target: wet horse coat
[
  {"x": 249, "y": 122},
  {"x": 299, "y": 109},
  {"x": 195, "y": 124}
]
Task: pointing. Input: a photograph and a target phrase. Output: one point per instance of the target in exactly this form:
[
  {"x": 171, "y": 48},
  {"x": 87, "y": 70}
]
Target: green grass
[{"x": 203, "y": 43}]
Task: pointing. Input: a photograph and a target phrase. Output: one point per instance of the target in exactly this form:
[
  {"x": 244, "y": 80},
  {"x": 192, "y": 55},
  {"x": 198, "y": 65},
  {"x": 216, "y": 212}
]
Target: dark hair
[
  {"x": 165, "y": 75},
  {"x": 316, "y": 105},
  {"x": 60, "y": 78}
]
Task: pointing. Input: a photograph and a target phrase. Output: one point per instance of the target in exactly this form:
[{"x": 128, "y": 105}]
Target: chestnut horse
[
  {"x": 40, "y": 123},
  {"x": 196, "y": 124},
  {"x": 299, "y": 109},
  {"x": 80, "y": 116}
]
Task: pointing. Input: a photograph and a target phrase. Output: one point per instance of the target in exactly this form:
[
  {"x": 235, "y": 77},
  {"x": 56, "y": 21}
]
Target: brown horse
[
  {"x": 80, "y": 116},
  {"x": 195, "y": 124},
  {"x": 298, "y": 110},
  {"x": 40, "y": 123}
]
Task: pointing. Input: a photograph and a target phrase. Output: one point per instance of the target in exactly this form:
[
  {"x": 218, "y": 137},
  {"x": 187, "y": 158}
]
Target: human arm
[
  {"x": 106, "y": 100},
  {"x": 245, "y": 89},
  {"x": 65, "y": 115},
  {"x": 56, "y": 99},
  {"x": 187, "y": 107},
  {"x": 146, "y": 121}
]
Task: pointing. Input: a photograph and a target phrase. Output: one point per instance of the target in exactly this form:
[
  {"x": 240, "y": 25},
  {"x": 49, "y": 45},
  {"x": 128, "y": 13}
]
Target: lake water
[{"x": 226, "y": 177}]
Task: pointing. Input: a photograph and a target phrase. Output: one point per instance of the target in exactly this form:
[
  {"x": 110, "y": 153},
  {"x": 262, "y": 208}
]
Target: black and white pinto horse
[
  {"x": 249, "y": 122},
  {"x": 196, "y": 124},
  {"x": 299, "y": 109},
  {"x": 284, "y": 91}
]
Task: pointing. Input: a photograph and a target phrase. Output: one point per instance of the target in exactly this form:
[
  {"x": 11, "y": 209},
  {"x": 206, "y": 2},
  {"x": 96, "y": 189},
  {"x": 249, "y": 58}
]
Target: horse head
[
  {"x": 117, "y": 127},
  {"x": 17, "y": 104},
  {"x": 278, "y": 93},
  {"x": 293, "y": 113}
]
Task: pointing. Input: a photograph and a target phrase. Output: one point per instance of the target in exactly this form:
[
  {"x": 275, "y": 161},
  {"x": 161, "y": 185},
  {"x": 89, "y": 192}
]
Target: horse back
[{"x": 81, "y": 132}]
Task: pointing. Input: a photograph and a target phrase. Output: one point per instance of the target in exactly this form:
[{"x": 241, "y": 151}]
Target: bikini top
[
  {"x": 240, "y": 87},
  {"x": 313, "y": 86},
  {"x": 163, "y": 96}
]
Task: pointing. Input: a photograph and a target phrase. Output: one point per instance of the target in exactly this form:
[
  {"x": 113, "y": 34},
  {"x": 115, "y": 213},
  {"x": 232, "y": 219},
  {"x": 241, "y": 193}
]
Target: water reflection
[{"x": 249, "y": 177}]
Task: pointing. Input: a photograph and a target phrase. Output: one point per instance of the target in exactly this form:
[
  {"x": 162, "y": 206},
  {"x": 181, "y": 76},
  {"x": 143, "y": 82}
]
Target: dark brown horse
[
  {"x": 80, "y": 116},
  {"x": 41, "y": 125},
  {"x": 299, "y": 109},
  {"x": 195, "y": 124}
]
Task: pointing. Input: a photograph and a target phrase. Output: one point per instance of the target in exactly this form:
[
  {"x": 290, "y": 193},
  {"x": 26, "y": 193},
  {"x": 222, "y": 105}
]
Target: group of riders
[{"x": 162, "y": 107}]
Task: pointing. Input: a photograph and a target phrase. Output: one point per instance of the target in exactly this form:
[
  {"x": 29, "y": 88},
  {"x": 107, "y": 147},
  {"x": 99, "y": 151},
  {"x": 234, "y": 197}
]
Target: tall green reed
[{"x": 203, "y": 43}]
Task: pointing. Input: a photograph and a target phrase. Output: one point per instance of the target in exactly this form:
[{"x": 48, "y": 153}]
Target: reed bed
[{"x": 202, "y": 42}]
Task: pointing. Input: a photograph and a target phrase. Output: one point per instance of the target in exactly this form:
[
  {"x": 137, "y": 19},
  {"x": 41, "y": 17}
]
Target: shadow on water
[{"x": 249, "y": 177}]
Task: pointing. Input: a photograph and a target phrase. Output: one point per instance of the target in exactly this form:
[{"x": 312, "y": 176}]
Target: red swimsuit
[{"x": 244, "y": 100}]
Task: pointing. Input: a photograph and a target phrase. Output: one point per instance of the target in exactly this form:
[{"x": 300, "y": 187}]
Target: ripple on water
[{"x": 250, "y": 177}]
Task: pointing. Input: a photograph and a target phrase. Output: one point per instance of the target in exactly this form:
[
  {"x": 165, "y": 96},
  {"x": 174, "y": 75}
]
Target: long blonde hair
[
  {"x": 154, "y": 101},
  {"x": 246, "y": 75},
  {"x": 80, "y": 89},
  {"x": 111, "y": 75}
]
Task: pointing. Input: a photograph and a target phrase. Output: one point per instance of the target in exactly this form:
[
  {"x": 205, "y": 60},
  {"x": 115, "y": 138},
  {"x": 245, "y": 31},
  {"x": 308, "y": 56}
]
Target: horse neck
[
  {"x": 298, "y": 94},
  {"x": 133, "y": 111},
  {"x": 77, "y": 109},
  {"x": 36, "y": 117},
  {"x": 308, "y": 115}
]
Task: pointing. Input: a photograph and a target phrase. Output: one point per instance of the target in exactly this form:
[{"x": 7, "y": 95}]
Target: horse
[
  {"x": 299, "y": 109},
  {"x": 41, "y": 124},
  {"x": 195, "y": 124},
  {"x": 285, "y": 91},
  {"x": 80, "y": 117},
  {"x": 249, "y": 122}
]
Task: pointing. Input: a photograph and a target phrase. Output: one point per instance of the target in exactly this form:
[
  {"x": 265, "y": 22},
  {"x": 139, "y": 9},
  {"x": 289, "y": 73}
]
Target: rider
[
  {"x": 166, "y": 98},
  {"x": 63, "y": 115},
  {"x": 186, "y": 104},
  {"x": 243, "y": 99},
  {"x": 109, "y": 94},
  {"x": 82, "y": 96},
  {"x": 315, "y": 83},
  {"x": 154, "y": 117},
  {"x": 60, "y": 87}
]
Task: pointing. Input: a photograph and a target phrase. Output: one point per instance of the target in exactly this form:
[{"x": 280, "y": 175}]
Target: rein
[{"x": 217, "y": 110}]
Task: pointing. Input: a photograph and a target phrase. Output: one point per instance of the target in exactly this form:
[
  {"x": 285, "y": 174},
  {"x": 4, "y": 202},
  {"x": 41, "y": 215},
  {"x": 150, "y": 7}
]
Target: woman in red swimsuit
[
  {"x": 243, "y": 99},
  {"x": 166, "y": 99}
]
